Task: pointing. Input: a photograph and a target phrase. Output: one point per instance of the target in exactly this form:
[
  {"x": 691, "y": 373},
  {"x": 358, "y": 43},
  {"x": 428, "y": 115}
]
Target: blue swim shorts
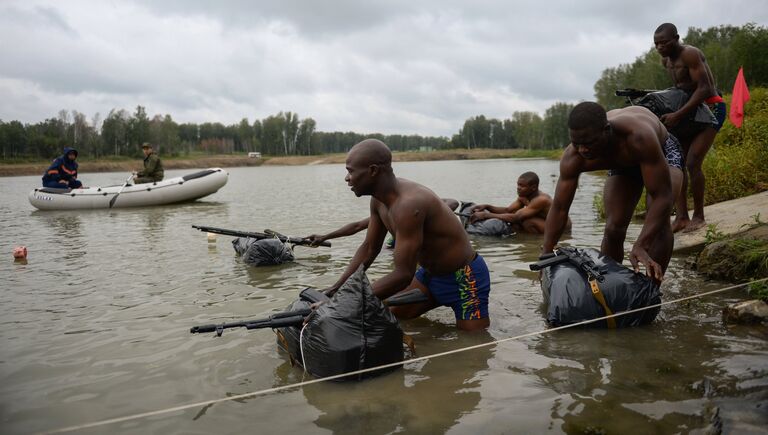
[
  {"x": 719, "y": 110},
  {"x": 465, "y": 290}
]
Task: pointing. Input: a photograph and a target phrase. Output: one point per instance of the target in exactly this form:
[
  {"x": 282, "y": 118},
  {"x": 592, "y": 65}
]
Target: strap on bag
[{"x": 601, "y": 300}]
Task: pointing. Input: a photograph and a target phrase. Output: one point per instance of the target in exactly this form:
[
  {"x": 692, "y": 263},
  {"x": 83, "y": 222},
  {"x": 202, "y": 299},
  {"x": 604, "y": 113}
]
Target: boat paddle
[{"x": 114, "y": 198}]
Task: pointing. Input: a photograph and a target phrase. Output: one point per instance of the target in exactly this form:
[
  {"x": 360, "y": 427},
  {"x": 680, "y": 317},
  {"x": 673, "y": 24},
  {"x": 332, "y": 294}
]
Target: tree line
[{"x": 121, "y": 133}]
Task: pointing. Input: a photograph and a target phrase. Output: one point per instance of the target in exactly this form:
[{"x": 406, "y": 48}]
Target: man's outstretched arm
[
  {"x": 347, "y": 230},
  {"x": 557, "y": 218},
  {"x": 367, "y": 251}
]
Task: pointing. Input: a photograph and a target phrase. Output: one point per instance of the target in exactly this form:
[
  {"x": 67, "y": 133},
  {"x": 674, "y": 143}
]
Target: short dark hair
[
  {"x": 530, "y": 178},
  {"x": 667, "y": 27},
  {"x": 587, "y": 115}
]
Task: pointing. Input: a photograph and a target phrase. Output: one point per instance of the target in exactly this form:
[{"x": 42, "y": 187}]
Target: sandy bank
[{"x": 229, "y": 161}]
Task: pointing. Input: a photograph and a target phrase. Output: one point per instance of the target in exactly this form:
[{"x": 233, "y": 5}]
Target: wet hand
[
  {"x": 315, "y": 239},
  {"x": 479, "y": 216},
  {"x": 653, "y": 269},
  {"x": 312, "y": 307},
  {"x": 670, "y": 119},
  {"x": 330, "y": 291}
]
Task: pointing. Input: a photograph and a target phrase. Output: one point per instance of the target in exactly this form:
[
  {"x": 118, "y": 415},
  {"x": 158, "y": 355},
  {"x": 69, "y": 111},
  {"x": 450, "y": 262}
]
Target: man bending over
[
  {"x": 428, "y": 235},
  {"x": 639, "y": 151}
]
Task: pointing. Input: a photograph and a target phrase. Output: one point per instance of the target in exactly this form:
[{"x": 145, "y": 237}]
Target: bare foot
[
  {"x": 694, "y": 225},
  {"x": 679, "y": 224}
]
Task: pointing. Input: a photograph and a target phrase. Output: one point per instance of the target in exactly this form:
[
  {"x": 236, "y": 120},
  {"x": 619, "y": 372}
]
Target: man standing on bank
[
  {"x": 153, "y": 167},
  {"x": 634, "y": 145},
  {"x": 428, "y": 235},
  {"x": 691, "y": 74}
]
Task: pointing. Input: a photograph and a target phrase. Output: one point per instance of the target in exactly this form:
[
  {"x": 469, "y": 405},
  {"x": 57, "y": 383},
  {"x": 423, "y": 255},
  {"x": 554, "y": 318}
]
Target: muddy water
[{"x": 95, "y": 324}]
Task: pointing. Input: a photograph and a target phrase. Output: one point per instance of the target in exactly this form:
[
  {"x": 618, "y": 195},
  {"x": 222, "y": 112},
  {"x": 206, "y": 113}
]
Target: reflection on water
[
  {"x": 419, "y": 398},
  {"x": 96, "y": 324}
]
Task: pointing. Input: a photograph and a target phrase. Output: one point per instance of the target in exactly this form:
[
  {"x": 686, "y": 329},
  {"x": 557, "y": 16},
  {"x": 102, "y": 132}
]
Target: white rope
[
  {"x": 382, "y": 367},
  {"x": 301, "y": 347}
]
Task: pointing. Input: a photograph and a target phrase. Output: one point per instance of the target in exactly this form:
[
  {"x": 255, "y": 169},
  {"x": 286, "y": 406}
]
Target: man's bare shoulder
[
  {"x": 690, "y": 54},
  {"x": 541, "y": 200},
  {"x": 571, "y": 163},
  {"x": 414, "y": 197}
]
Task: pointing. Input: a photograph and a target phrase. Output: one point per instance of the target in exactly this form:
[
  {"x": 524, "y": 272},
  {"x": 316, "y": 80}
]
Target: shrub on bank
[{"x": 737, "y": 164}]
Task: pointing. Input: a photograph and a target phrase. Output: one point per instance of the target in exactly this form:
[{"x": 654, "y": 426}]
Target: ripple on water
[{"x": 96, "y": 324}]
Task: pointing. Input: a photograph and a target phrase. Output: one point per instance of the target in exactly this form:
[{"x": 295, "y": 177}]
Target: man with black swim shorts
[
  {"x": 428, "y": 235},
  {"x": 634, "y": 144}
]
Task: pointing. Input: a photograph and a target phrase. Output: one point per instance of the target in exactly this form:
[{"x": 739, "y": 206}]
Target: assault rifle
[
  {"x": 296, "y": 317},
  {"x": 632, "y": 94},
  {"x": 267, "y": 234},
  {"x": 578, "y": 258}
]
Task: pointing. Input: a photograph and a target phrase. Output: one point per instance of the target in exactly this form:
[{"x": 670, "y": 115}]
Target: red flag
[{"x": 739, "y": 99}]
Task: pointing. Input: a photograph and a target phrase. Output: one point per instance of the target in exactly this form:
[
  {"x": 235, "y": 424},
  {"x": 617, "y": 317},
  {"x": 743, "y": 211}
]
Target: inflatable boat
[{"x": 179, "y": 189}]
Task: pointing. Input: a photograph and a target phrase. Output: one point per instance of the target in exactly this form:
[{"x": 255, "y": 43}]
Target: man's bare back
[
  {"x": 441, "y": 231},
  {"x": 624, "y": 152}
]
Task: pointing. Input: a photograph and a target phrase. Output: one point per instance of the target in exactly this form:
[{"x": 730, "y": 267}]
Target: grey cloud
[{"x": 381, "y": 66}]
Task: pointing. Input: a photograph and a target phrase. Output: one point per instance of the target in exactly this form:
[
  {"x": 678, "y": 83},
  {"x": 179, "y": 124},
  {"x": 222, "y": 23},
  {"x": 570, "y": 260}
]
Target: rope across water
[{"x": 382, "y": 367}]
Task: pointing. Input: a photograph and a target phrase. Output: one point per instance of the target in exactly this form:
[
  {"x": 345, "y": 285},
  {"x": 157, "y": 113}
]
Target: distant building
[
  {"x": 255, "y": 155},
  {"x": 425, "y": 148}
]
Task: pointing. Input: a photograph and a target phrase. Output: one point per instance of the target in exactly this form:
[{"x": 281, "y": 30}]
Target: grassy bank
[{"x": 228, "y": 161}]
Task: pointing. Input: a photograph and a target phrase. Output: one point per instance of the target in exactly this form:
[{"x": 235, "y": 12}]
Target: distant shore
[{"x": 229, "y": 161}]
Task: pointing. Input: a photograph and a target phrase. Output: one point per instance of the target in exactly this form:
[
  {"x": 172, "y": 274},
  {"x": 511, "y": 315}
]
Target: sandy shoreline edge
[{"x": 229, "y": 161}]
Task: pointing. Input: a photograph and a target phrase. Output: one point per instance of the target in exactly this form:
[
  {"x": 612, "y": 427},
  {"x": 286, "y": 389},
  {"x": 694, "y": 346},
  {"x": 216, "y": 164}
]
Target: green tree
[{"x": 555, "y": 125}]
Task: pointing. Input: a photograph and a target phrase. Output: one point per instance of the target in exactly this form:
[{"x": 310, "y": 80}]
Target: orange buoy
[{"x": 20, "y": 252}]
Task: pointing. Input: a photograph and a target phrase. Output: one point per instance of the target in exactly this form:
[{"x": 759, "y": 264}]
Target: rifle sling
[{"x": 601, "y": 300}]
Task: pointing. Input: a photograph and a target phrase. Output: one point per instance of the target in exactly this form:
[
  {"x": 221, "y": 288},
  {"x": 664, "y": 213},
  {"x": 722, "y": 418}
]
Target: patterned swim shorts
[
  {"x": 672, "y": 152},
  {"x": 465, "y": 291}
]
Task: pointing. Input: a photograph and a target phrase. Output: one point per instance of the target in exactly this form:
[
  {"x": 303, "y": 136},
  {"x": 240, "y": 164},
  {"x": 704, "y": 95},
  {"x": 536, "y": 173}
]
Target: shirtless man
[
  {"x": 690, "y": 73},
  {"x": 636, "y": 147},
  {"x": 427, "y": 233},
  {"x": 527, "y": 214}
]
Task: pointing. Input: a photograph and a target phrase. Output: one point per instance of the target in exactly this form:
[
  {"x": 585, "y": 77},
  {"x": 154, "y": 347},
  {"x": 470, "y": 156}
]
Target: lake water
[{"x": 96, "y": 324}]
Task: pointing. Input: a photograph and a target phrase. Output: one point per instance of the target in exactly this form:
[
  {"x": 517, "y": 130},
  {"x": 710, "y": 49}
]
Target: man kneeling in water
[
  {"x": 527, "y": 214},
  {"x": 427, "y": 233}
]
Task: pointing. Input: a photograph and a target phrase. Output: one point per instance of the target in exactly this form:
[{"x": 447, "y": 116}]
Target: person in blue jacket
[{"x": 62, "y": 173}]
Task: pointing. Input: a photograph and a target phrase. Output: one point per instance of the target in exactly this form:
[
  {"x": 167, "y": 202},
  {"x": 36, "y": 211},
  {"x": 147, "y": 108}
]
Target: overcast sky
[{"x": 398, "y": 66}]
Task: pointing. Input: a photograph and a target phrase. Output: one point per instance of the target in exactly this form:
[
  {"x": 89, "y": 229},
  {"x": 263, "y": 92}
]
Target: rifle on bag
[
  {"x": 278, "y": 320},
  {"x": 579, "y": 259},
  {"x": 296, "y": 317},
  {"x": 267, "y": 234},
  {"x": 632, "y": 94}
]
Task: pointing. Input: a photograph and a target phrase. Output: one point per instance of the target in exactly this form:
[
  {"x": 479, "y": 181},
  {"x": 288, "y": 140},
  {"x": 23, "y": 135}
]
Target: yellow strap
[
  {"x": 601, "y": 299},
  {"x": 284, "y": 345}
]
